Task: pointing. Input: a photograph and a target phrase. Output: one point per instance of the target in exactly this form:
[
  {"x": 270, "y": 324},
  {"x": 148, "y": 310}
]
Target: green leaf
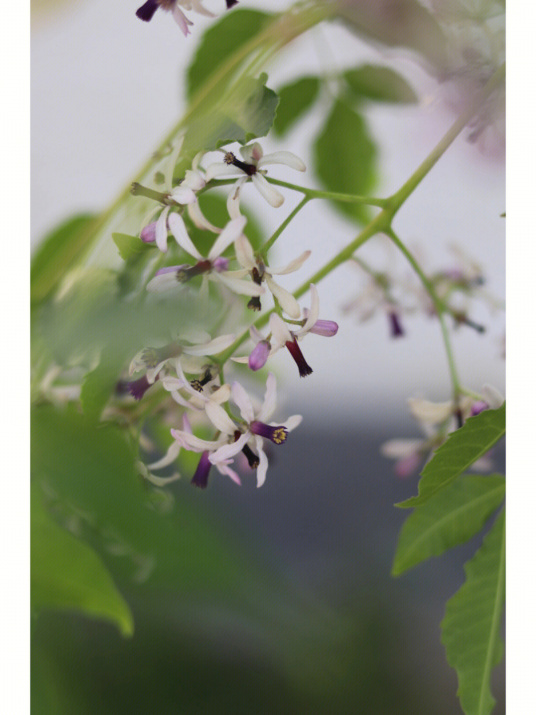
[
  {"x": 220, "y": 41},
  {"x": 462, "y": 448},
  {"x": 345, "y": 158},
  {"x": 380, "y": 84},
  {"x": 449, "y": 518},
  {"x": 294, "y": 100},
  {"x": 68, "y": 574},
  {"x": 130, "y": 247},
  {"x": 470, "y": 629},
  {"x": 56, "y": 254}
]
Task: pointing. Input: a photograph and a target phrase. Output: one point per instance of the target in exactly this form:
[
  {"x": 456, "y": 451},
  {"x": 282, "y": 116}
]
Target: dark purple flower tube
[
  {"x": 200, "y": 478},
  {"x": 294, "y": 349},
  {"x": 397, "y": 330},
  {"x": 259, "y": 355},
  {"x": 138, "y": 388},
  {"x": 231, "y": 3},
  {"x": 277, "y": 434},
  {"x": 146, "y": 11}
]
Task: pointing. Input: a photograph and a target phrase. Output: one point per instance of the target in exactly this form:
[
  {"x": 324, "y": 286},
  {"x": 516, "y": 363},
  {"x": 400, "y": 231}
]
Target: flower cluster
[
  {"x": 227, "y": 421},
  {"x": 148, "y": 9}
]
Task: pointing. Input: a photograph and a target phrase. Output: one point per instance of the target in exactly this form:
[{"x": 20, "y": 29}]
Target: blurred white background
[{"x": 107, "y": 87}]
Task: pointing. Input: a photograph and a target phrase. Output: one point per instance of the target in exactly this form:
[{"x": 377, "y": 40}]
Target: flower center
[
  {"x": 186, "y": 274},
  {"x": 231, "y": 159}
]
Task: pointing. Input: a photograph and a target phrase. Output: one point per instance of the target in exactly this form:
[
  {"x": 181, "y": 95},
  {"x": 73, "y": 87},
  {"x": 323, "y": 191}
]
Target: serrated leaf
[
  {"x": 130, "y": 247},
  {"x": 470, "y": 629},
  {"x": 462, "y": 448},
  {"x": 449, "y": 518},
  {"x": 294, "y": 100},
  {"x": 67, "y": 574},
  {"x": 380, "y": 84},
  {"x": 222, "y": 39},
  {"x": 56, "y": 253},
  {"x": 345, "y": 158}
]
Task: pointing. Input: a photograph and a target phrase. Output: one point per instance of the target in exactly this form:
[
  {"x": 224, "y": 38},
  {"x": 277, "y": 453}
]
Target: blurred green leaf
[
  {"x": 222, "y": 39},
  {"x": 449, "y": 518},
  {"x": 345, "y": 158},
  {"x": 380, "y": 84},
  {"x": 398, "y": 23},
  {"x": 462, "y": 448},
  {"x": 56, "y": 253},
  {"x": 68, "y": 574},
  {"x": 294, "y": 100},
  {"x": 470, "y": 629},
  {"x": 130, "y": 247}
]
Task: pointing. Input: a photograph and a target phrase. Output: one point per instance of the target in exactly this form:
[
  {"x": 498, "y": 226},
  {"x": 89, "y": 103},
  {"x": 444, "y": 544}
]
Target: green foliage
[
  {"x": 57, "y": 253},
  {"x": 345, "y": 158},
  {"x": 294, "y": 100},
  {"x": 131, "y": 247},
  {"x": 463, "y": 447},
  {"x": 221, "y": 40},
  {"x": 380, "y": 84},
  {"x": 450, "y": 517},
  {"x": 68, "y": 574},
  {"x": 470, "y": 629}
]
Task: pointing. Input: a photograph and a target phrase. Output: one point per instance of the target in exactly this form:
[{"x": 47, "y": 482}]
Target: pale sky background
[{"x": 106, "y": 88}]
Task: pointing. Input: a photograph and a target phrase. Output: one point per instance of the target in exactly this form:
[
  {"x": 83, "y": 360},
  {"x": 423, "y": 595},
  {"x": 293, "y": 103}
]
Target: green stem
[
  {"x": 439, "y": 307},
  {"x": 273, "y": 238},
  {"x": 333, "y": 195}
]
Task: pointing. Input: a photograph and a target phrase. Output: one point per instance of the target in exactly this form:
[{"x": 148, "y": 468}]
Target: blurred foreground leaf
[
  {"x": 294, "y": 100},
  {"x": 68, "y": 574},
  {"x": 462, "y": 448},
  {"x": 380, "y": 84},
  {"x": 470, "y": 629},
  {"x": 449, "y": 518},
  {"x": 345, "y": 158}
]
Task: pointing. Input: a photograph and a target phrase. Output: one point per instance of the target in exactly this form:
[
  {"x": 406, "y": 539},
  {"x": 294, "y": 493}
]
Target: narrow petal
[
  {"x": 280, "y": 332},
  {"x": 170, "y": 456},
  {"x": 181, "y": 20},
  {"x": 270, "y": 398},
  {"x": 493, "y": 397},
  {"x": 430, "y": 412},
  {"x": 233, "y": 199},
  {"x": 283, "y": 157},
  {"x": 223, "y": 468},
  {"x": 400, "y": 448},
  {"x": 211, "y": 348},
  {"x": 195, "y": 444},
  {"x": 194, "y": 180},
  {"x": 267, "y": 191},
  {"x": 230, "y": 450},
  {"x": 242, "y": 399},
  {"x": 287, "y": 301},
  {"x": 178, "y": 229},
  {"x": 200, "y": 10},
  {"x": 312, "y": 316},
  {"x": 199, "y": 219},
  {"x": 244, "y": 253},
  {"x": 222, "y": 171},
  {"x": 163, "y": 281},
  {"x": 183, "y": 195},
  {"x": 229, "y": 234},
  {"x": 252, "y": 153},
  {"x": 238, "y": 285},
  {"x": 292, "y": 422},
  {"x": 161, "y": 230},
  {"x": 292, "y": 266},
  {"x": 263, "y": 465},
  {"x": 219, "y": 418}
]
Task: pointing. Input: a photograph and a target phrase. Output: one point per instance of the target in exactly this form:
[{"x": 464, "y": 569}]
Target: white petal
[
  {"x": 287, "y": 301},
  {"x": 252, "y": 153},
  {"x": 400, "y": 448},
  {"x": 161, "y": 230},
  {"x": 211, "y": 348},
  {"x": 170, "y": 456},
  {"x": 183, "y": 195},
  {"x": 270, "y": 398},
  {"x": 312, "y": 315},
  {"x": 223, "y": 468},
  {"x": 292, "y": 266},
  {"x": 280, "y": 332},
  {"x": 178, "y": 229},
  {"x": 493, "y": 397},
  {"x": 233, "y": 199},
  {"x": 172, "y": 383},
  {"x": 244, "y": 253},
  {"x": 219, "y": 418},
  {"x": 152, "y": 373},
  {"x": 229, "y": 450},
  {"x": 229, "y": 234},
  {"x": 293, "y": 422},
  {"x": 137, "y": 363},
  {"x": 262, "y": 468},
  {"x": 283, "y": 157},
  {"x": 199, "y": 219},
  {"x": 195, "y": 444},
  {"x": 222, "y": 171},
  {"x": 181, "y": 20},
  {"x": 237, "y": 285},
  {"x": 193, "y": 180},
  {"x": 267, "y": 191},
  {"x": 244, "y": 360},
  {"x": 198, "y": 7},
  {"x": 242, "y": 399},
  {"x": 163, "y": 282},
  {"x": 222, "y": 394},
  {"x": 430, "y": 412}
]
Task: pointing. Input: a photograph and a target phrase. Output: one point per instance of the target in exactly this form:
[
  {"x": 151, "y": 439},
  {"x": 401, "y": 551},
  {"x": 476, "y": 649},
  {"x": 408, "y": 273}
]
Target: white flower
[
  {"x": 148, "y": 9},
  {"x": 213, "y": 267},
  {"x": 260, "y": 272},
  {"x": 252, "y": 168}
]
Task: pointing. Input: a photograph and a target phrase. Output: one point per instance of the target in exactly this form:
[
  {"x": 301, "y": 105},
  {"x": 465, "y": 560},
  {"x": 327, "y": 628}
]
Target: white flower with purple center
[
  {"x": 251, "y": 166},
  {"x": 148, "y": 9},
  {"x": 199, "y": 391},
  {"x": 259, "y": 273},
  {"x": 212, "y": 267}
]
